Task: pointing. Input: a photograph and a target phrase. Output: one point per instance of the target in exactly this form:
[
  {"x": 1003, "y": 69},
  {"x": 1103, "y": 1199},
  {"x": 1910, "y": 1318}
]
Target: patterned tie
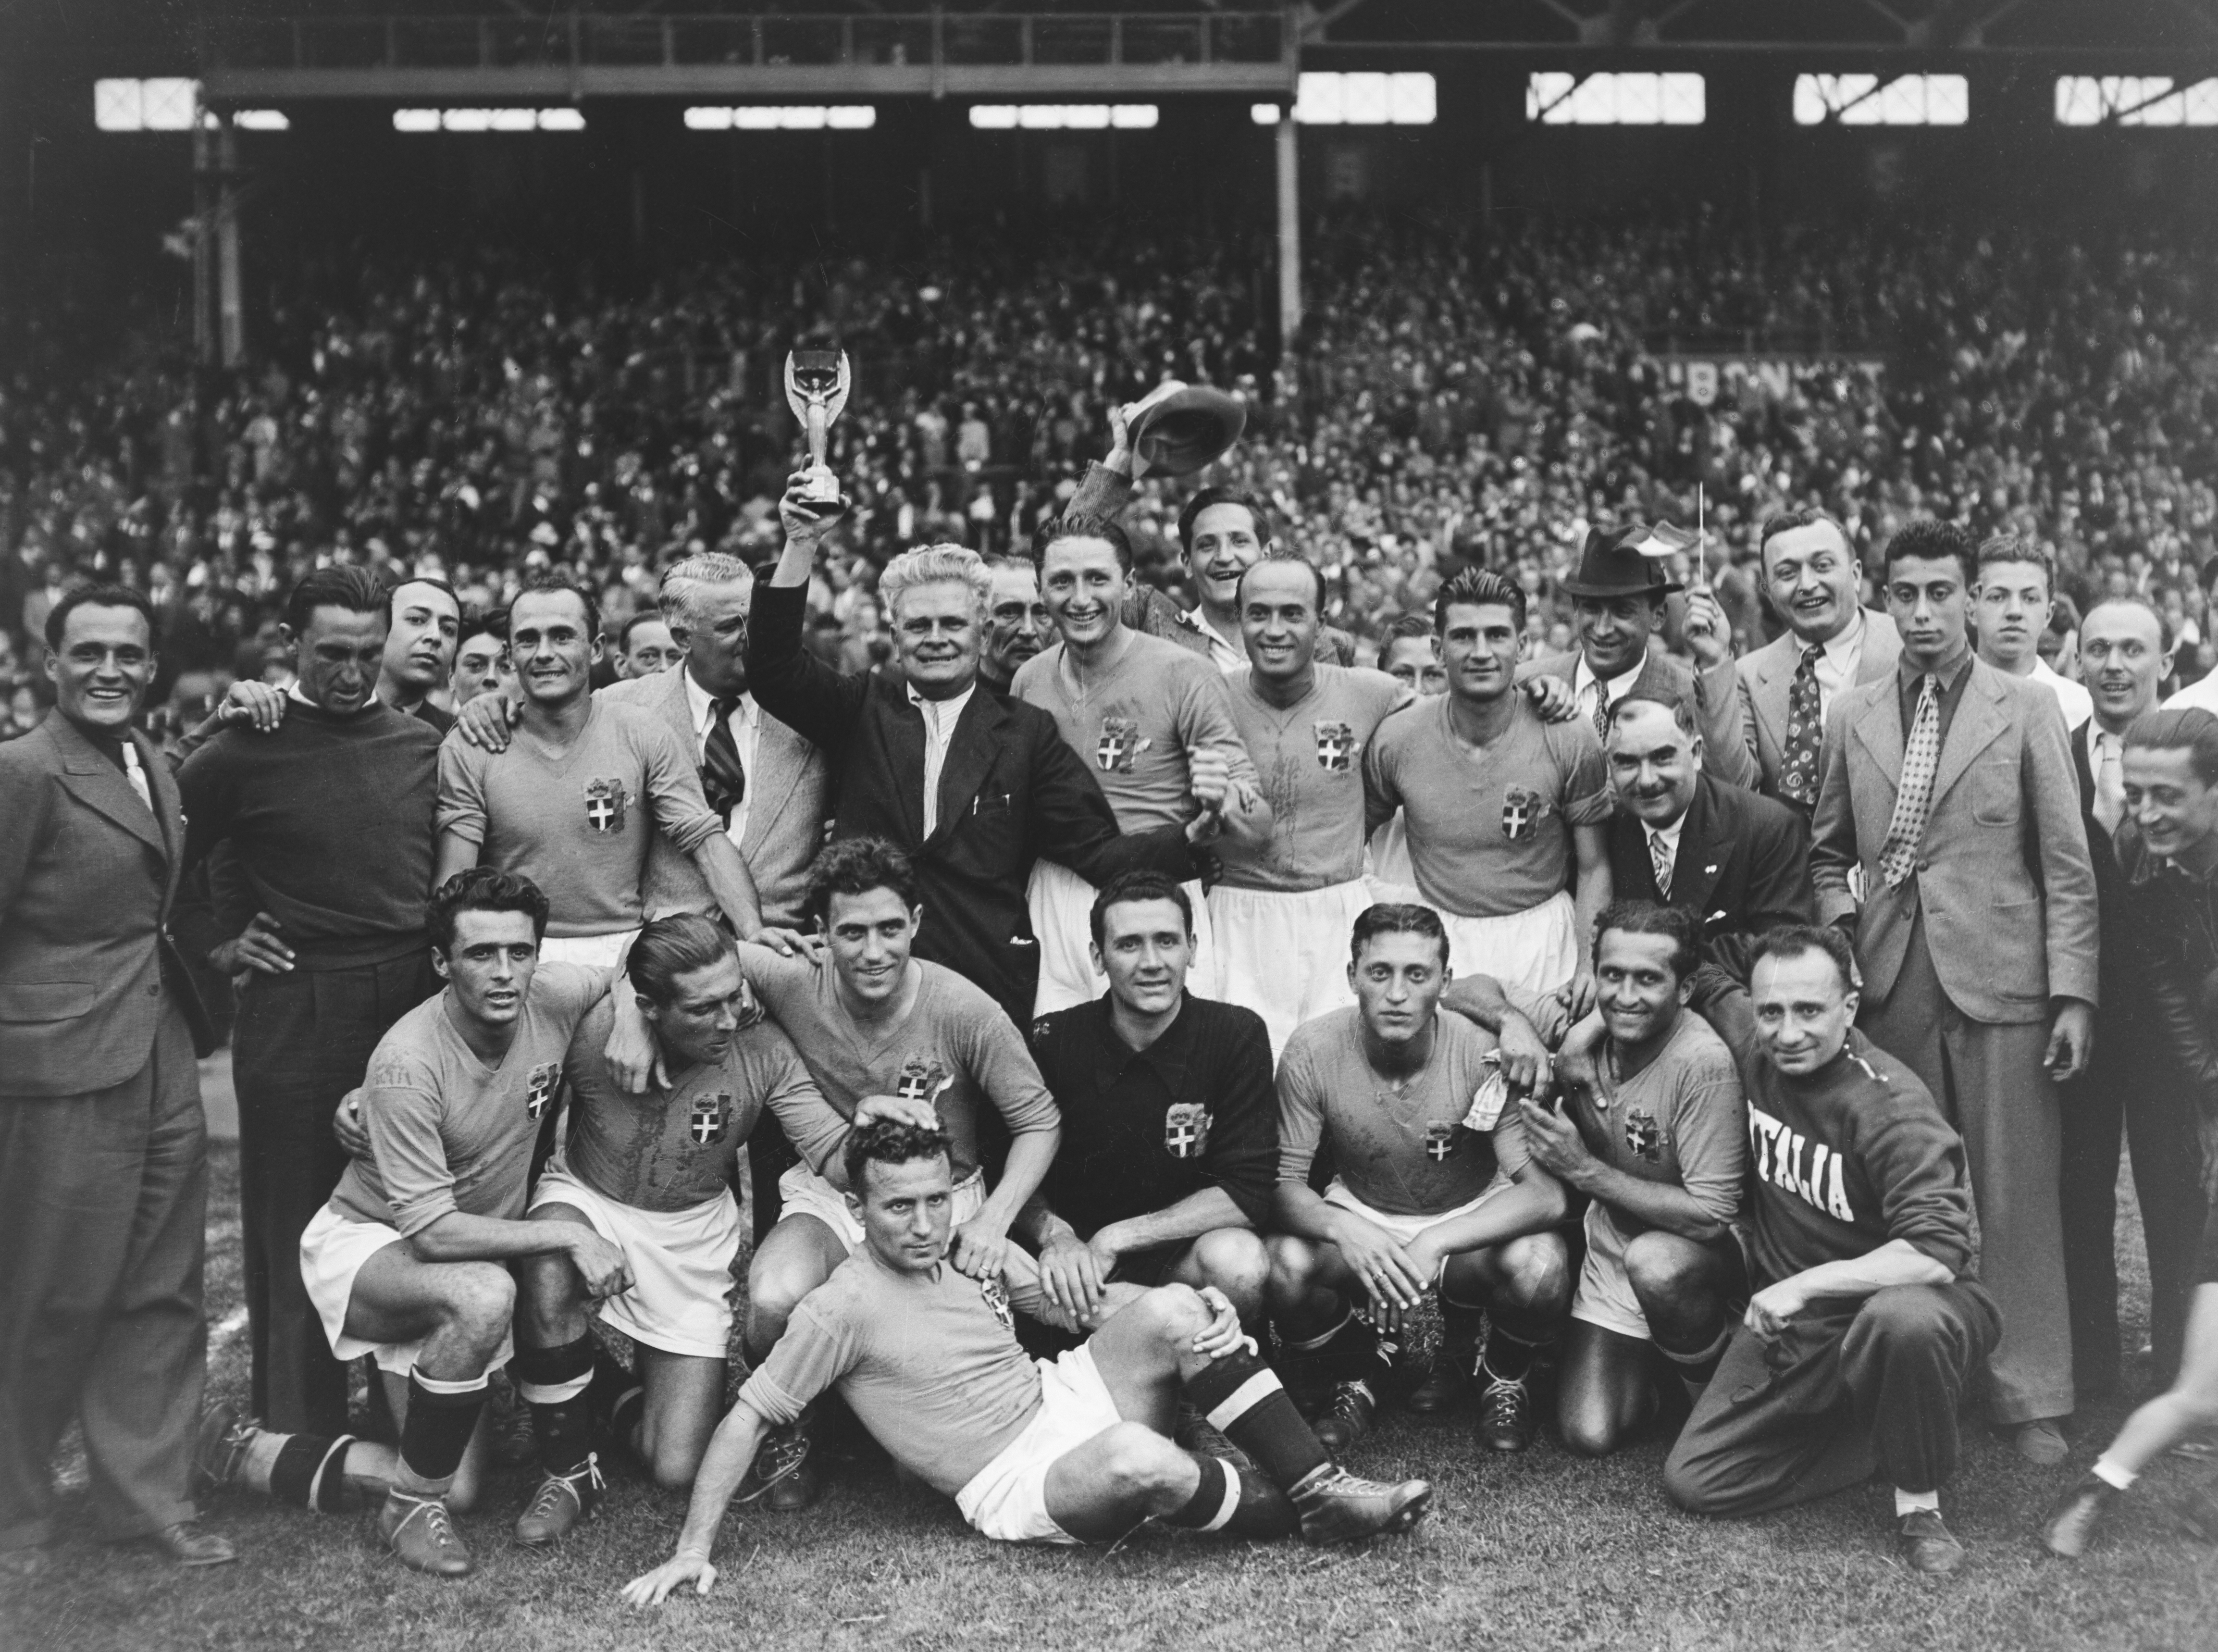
[
  {"x": 722, "y": 775},
  {"x": 1659, "y": 856},
  {"x": 1601, "y": 711},
  {"x": 1913, "y": 797},
  {"x": 1805, "y": 733},
  {"x": 2110, "y": 783}
]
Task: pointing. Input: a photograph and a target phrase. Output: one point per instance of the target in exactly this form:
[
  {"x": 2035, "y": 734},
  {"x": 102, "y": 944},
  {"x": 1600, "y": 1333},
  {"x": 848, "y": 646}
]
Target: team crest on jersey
[
  {"x": 1336, "y": 745},
  {"x": 1643, "y": 1135},
  {"x": 921, "y": 1079},
  {"x": 997, "y": 1299},
  {"x": 706, "y": 1122},
  {"x": 1440, "y": 1141},
  {"x": 539, "y": 1087},
  {"x": 1523, "y": 811},
  {"x": 1185, "y": 1130},
  {"x": 1120, "y": 746},
  {"x": 604, "y": 805}
]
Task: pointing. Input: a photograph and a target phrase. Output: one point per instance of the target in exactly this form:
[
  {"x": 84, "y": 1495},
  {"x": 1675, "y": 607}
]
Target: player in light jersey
[
  {"x": 1499, "y": 802},
  {"x": 1283, "y": 907},
  {"x": 1152, "y": 720},
  {"x": 874, "y": 1022},
  {"x": 1436, "y": 1190},
  {"x": 1065, "y": 1452},
  {"x": 575, "y": 800}
]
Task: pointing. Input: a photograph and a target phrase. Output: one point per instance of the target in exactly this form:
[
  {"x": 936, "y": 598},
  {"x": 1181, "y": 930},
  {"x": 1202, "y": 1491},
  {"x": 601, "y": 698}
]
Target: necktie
[
  {"x": 1913, "y": 797},
  {"x": 1805, "y": 731},
  {"x": 1659, "y": 856},
  {"x": 2110, "y": 783},
  {"x": 721, "y": 776},
  {"x": 136, "y": 774},
  {"x": 1601, "y": 710}
]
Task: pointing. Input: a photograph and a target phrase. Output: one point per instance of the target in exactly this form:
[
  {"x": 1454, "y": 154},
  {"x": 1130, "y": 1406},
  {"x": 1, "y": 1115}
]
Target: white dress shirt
[
  {"x": 2202, "y": 696},
  {"x": 747, "y": 733},
  {"x": 1664, "y": 842},
  {"x": 940, "y": 716},
  {"x": 1837, "y": 660},
  {"x": 1585, "y": 685},
  {"x": 2109, "y": 800},
  {"x": 2078, "y": 704},
  {"x": 1227, "y": 657}
]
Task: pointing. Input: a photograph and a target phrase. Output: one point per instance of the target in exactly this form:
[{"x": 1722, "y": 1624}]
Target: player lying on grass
[{"x": 1076, "y": 1450}]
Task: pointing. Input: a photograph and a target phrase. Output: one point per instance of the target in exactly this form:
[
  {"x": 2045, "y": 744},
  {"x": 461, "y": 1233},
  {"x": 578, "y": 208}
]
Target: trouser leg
[
  {"x": 1905, "y": 1360},
  {"x": 1763, "y": 1438},
  {"x": 2167, "y": 1156},
  {"x": 2094, "y": 1114},
  {"x": 141, "y": 1403}
]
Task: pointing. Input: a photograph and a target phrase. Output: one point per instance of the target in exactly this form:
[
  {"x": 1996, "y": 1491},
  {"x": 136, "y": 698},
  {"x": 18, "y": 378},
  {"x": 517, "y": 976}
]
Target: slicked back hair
[
  {"x": 99, "y": 596},
  {"x": 1798, "y": 515},
  {"x": 1284, "y": 559},
  {"x": 683, "y": 577},
  {"x": 1258, "y": 513},
  {"x": 2186, "y": 728},
  {"x": 1139, "y": 885},
  {"x": 936, "y": 565},
  {"x": 1648, "y": 918},
  {"x": 1478, "y": 587},
  {"x": 1397, "y": 918},
  {"x": 1083, "y": 527},
  {"x": 670, "y": 947},
  {"x": 342, "y": 585},
  {"x": 1800, "y": 941},
  {"x": 2131, "y": 599},
  {"x": 559, "y": 582},
  {"x": 2017, "y": 548}
]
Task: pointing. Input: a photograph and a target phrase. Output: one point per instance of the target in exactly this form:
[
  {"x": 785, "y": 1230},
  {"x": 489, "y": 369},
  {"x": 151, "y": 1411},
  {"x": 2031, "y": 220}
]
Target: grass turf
[{"x": 1541, "y": 1550}]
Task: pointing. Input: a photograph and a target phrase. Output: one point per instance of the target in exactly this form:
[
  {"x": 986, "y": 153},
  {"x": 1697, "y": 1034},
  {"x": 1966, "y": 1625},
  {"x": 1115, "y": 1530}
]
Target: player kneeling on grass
[
  {"x": 1437, "y": 1189},
  {"x": 1658, "y": 1143},
  {"x": 1076, "y": 1450},
  {"x": 410, "y": 1261}
]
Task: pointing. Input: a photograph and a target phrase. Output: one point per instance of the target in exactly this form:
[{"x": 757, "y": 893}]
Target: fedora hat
[
  {"x": 1624, "y": 561},
  {"x": 1178, "y": 428}
]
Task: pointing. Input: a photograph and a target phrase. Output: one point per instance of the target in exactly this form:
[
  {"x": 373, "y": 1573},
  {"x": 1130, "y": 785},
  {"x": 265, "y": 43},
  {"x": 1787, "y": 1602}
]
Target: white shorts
[
  {"x": 680, "y": 1261},
  {"x": 802, "y": 1192},
  {"x": 1284, "y": 953},
  {"x": 1061, "y": 907},
  {"x": 1405, "y": 1228},
  {"x": 333, "y": 1250},
  {"x": 1006, "y": 1500},
  {"x": 1391, "y": 879},
  {"x": 1537, "y": 949},
  {"x": 1605, "y": 1294},
  {"x": 599, "y": 952}
]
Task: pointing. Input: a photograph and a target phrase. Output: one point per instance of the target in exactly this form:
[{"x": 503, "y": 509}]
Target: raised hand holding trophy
[{"x": 816, "y": 382}]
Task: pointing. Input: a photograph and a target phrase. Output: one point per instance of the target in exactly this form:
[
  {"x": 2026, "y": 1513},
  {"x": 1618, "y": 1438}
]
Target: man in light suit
[
  {"x": 1831, "y": 642},
  {"x": 1950, "y": 785},
  {"x": 1617, "y": 596},
  {"x": 103, "y": 1146}
]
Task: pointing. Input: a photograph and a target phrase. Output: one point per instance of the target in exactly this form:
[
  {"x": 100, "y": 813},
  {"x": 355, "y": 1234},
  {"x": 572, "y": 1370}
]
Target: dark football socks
[
  {"x": 441, "y": 1416},
  {"x": 1695, "y": 1369},
  {"x": 553, "y": 1383},
  {"x": 1241, "y": 1395},
  {"x": 307, "y": 1471},
  {"x": 1238, "y": 1506},
  {"x": 1459, "y": 1332},
  {"x": 1512, "y": 1343}
]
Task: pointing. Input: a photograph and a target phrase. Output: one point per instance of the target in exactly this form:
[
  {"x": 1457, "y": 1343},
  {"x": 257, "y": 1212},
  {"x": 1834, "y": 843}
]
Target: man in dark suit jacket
[
  {"x": 2125, "y": 652},
  {"x": 1005, "y": 787},
  {"x": 103, "y": 1146},
  {"x": 1738, "y": 862},
  {"x": 1617, "y": 595}
]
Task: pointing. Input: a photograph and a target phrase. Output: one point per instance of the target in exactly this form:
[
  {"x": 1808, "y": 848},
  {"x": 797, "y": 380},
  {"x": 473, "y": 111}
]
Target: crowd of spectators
[{"x": 1480, "y": 393}]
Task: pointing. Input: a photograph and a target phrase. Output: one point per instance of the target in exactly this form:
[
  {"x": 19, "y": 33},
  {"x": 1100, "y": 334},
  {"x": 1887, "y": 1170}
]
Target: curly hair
[
  {"x": 888, "y": 1141},
  {"x": 856, "y": 866}
]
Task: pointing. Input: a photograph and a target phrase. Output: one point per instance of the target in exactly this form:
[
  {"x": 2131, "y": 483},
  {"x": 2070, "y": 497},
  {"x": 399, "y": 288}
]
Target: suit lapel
[
  {"x": 1704, "y": 842},
  {"x": 901, "y": 730},
  {"x": 1978, "y": 721},
  {"x": 779, "y": 756},
  {"x": 167, "y": 803},
  {"x": 2083, "y": 765},
  {"x": 1878, "y": 729},
  {"x": 100, "y": 787},
  {"x": 971, "y": 754}
]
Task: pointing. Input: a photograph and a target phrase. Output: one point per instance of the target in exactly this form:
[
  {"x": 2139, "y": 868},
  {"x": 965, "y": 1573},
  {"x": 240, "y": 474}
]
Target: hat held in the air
[
  {"x": 1628, "y": 561},
  {"x": 1178, "y": 428}
]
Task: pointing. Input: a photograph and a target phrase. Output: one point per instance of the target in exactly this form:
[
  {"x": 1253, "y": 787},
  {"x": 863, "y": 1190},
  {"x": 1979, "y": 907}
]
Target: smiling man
[
  {"x": 1949, "y": 785},
  {"x": 2012, "y": 602},
  {"x": 329, "y": 818}
]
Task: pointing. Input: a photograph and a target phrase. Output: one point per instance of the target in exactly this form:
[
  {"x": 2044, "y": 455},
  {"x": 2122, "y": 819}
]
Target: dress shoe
[
  {"x": 187, "y": 1545},
  {"x": 1925, "y": 1544},
  {"x": 2042, "y": 1441}
]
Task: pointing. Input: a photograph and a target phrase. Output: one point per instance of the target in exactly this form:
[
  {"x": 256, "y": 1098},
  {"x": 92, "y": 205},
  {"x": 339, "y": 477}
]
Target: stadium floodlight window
[
  {"x": 1134, "y": 117},
  {"x": 1330, "y": 98},
  {"x": 261, "y": 121},
  {"x": 170, "y": 104},
  {"x": 851, "y": 117},
  {"x": 1063, "y": 117},
  {"x": 415, "y": 120},
  {"x": 2134, "y": 101},
  {"x": 1868, "y": 101},
  {"x": 994, "y": 117},
  {"x": 501, "y": 120},
  {"x": 1412, "y": 100},
  {"x": 1263, "y": 114},
  {"x": 771, "y": 117},
  {"x": 1322, "y": 100},
  {"x": 118, "y": 106},
  {"x": 561, "y": 120},
  {"x": 708, "y": 120},
  {"x": 1555, "y": 98}
]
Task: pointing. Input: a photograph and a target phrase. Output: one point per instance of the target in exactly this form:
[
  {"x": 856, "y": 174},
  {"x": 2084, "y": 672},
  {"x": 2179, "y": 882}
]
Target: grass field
[{"x": 1539, "y": 1551}]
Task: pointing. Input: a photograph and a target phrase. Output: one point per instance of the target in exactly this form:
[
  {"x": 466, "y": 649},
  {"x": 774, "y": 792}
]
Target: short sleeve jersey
[
  {"x": 672, "y": 1149},
  {"x": 1490, "y": 831},
  {"x": 929, "y": 1363},
  {"x": 1135, "y": 724},
  {"x": 1681, "y": 1121},
  {"x": 448, "y": 1132},
  {"x": 955, "y": 1048},
  {"x": 579, "y": 828},
  {"x": 1309, "y": 761},
  {"x": 1403, "y": 1147}
]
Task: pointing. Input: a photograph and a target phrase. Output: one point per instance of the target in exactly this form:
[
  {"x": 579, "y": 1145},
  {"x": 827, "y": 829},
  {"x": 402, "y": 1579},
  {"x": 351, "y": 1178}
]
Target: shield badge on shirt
[
  {"x": 1185, "y": 1130},
  {"x": 1440, "y": 1141},
  {"x": 921, "y": 1079},
  {"x": 705, "y": 1122},
  {"x": 604, "y": 805},
  {"x": 1643, "y": 1135},
  {"x": 539, "y": 1087},
  {"x": 1335, "y": 745},
  {"x": 1523, "y": 811},
  {"x": 997, "y": 1298},
  {"x": 1118, "y": 747}
]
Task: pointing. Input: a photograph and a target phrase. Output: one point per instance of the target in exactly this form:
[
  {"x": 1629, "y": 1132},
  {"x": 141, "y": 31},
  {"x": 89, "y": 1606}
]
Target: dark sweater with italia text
[
  {"x": 330, "y": 820},
  {"x": 1849, "y": 1159}
]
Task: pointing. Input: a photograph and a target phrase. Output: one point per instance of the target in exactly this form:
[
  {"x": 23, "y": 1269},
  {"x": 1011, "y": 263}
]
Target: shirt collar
[
  {"x": 703, "y": 704},
  {"x": 1617, "y": 687},
  {"x": 1167, "y": 1055},
  {"x": 1669, "y": 833},
  {"x": 954, "y": 703},
  {"x": 1848, "y": 640},
  {"x": 1948, "y": 671}
]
